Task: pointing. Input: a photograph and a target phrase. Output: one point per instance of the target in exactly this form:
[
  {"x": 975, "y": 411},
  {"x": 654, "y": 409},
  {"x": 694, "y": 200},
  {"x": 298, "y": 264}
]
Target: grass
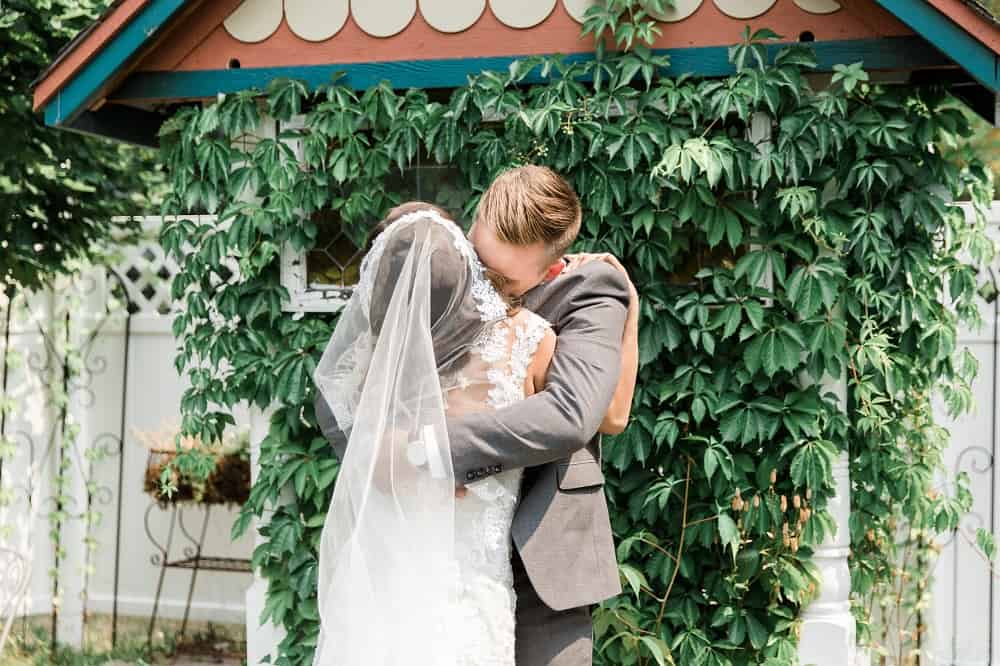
[{"x": 30, "y": 643}]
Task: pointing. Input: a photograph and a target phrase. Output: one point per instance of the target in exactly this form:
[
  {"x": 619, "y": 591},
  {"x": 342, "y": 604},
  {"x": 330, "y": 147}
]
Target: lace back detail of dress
[
  {"x": 485, "y": 600},
  {"x": 509, "y": 349}
]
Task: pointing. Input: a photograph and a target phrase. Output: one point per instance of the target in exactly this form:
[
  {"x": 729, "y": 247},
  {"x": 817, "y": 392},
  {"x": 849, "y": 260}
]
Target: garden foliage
[{"x": 823, "y": 254}]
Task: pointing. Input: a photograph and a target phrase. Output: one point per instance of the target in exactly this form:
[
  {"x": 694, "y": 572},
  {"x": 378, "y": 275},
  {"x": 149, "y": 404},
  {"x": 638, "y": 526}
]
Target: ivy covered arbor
[
  {"x": 802, "y": 277},
  {"x": 767, "y": 272}
]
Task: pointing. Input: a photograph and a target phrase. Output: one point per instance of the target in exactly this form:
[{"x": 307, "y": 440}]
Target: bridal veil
[{"x": 387, "y": 560}]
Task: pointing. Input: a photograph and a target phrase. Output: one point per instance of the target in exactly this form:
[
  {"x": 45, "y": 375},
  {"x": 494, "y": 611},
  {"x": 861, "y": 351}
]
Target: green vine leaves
[{"x": 783, "y": 239}]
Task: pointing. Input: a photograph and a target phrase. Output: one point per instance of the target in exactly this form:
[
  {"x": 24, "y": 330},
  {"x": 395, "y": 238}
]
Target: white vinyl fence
[
  {"x": 964, "y": 617},
  {"x": 127, "y": 382}
]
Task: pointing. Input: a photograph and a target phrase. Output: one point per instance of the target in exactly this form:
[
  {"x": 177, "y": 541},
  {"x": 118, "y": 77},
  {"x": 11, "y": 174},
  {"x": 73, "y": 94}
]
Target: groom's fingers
[
  {"x": 461, "y": 492},
  {"x": 613, "y": 260},
  {"x": 577, "y": 260}
]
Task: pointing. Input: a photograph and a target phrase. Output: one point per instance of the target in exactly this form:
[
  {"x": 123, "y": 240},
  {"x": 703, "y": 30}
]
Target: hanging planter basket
[{"x": 228, "y": 482}]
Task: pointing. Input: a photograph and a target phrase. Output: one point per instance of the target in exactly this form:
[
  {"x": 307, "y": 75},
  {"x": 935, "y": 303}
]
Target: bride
[{"x": 408, "y": 573}]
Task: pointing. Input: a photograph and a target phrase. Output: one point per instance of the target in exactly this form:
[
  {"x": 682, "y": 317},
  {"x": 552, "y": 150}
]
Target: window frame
[{"x": 294, "y": 271}]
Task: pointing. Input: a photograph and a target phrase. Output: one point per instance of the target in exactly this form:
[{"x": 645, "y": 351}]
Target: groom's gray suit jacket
[{"x": 561, "y": 529}]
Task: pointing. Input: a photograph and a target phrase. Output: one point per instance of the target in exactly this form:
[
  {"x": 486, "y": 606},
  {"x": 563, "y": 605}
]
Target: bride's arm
[
  {"x": 538, "y": 370},
  {"x": 617, "y": 417},
  {"x": 616, "y": 420}
]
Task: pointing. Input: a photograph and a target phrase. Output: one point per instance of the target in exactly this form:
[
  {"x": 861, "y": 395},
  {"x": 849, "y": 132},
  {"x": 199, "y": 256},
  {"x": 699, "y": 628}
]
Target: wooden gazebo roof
[{"x": 120, "y": 76}]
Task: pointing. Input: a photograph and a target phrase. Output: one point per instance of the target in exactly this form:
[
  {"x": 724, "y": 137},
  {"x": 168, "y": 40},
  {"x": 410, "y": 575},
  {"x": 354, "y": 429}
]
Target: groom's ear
[{"x": 554, "y": 270}]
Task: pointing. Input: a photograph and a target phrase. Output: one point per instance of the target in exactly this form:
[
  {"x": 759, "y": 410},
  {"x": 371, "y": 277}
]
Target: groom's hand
[
  {"x": 461, "y": 491},
  {"x": 574, "y": 261}
]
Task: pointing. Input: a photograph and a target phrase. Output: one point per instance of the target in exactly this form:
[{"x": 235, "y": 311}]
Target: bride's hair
[
  {"x": 454, "y": 318},
  {"x": 498, "y": 281},
  {"x": 412, "y": 207}
]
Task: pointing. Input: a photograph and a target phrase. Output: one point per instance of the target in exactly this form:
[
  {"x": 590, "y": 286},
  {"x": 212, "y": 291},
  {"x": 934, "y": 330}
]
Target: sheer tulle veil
[{"x": 386, "y": 557}]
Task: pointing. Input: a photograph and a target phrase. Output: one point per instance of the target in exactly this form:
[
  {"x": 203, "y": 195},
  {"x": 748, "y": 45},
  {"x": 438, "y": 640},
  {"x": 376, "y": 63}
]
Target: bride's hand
[
  {"x": 577, "y": 260},
  {"x": 620, "y": 409}
]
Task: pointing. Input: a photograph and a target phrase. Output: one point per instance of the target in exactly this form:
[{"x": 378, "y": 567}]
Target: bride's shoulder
[
  {"x": 539, "y": 335},
  {"x": 531, "y": 322}
]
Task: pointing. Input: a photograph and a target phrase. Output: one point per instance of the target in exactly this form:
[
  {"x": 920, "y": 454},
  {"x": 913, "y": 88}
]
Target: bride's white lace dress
[{"x": 485, "y": 600}]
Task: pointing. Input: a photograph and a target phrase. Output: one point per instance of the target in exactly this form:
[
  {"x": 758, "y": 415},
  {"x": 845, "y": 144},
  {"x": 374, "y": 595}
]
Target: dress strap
[
  {"x": 527, "y": 336},
  {"x": 508, "y": 348}
]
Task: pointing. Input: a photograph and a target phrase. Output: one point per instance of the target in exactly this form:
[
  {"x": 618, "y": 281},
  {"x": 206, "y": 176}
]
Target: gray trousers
[{"x": 546, "y": 637}]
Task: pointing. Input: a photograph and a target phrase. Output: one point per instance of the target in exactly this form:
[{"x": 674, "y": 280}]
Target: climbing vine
[
  {"x": 776, "y": 265},
  {"x": 47, "y": 380}
]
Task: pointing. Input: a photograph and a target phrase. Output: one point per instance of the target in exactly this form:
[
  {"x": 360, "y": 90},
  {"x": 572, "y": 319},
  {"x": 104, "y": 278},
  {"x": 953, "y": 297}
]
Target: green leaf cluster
[{"x": 62, "y": 194}]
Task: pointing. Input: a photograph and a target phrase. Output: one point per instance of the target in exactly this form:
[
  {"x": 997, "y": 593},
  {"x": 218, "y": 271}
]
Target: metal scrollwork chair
[{"x": 14, "y": 575}]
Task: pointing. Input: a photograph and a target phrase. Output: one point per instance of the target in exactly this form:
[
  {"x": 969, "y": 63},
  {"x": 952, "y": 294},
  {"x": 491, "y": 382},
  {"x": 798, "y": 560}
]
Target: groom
[{"x": 564, "y": 555}]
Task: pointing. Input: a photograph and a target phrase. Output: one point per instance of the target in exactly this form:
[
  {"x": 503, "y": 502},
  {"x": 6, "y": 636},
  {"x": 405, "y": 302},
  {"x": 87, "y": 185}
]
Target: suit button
[
  {"x": 480, "y": 473},
  {"x": 470, "y": 476},
  {"x": 498, "y": 469}
]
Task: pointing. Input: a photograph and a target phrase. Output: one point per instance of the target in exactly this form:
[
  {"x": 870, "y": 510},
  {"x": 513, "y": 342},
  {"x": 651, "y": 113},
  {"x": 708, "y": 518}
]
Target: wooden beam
[
  {"x": 120, "y": 123},
  {"x": 79, "y": 54},
  {"x": 950, "y": 38},
  {"x": 87, "y": 83},
  {"x": 891, "y": 53}
]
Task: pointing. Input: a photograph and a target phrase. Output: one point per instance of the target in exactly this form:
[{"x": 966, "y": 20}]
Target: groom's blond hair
[{"x": 532, "y": 204}]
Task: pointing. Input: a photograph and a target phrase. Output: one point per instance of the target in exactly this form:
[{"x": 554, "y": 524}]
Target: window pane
[
  {"x": 335, "y": 262},
  {"x": 702, "y": 256},
  {"x": 336, "y": 259},
  {"x": 444, "y": 185}
]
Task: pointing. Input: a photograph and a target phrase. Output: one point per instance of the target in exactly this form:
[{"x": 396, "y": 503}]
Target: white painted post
[
  {"x": 829, "y": 634},
  {"x": 262, "y": 639}
]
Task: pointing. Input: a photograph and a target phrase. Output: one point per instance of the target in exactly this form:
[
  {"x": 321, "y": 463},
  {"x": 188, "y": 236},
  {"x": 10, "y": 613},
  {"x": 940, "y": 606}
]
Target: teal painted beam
[
  {"x": 73, "y": 98},
  {"x": 950, "y": 38},
  {"x": 885, "y": 54}
]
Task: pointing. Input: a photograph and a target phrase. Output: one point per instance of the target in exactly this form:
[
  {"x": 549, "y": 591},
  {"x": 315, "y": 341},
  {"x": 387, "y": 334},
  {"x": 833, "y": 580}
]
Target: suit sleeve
[
  {"x": 328, "y": 424},
  {"x": 581, "y": 382}
]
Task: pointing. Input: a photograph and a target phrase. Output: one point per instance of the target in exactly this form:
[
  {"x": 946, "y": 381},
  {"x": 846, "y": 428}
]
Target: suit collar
[{"x": 536, "y": 298}]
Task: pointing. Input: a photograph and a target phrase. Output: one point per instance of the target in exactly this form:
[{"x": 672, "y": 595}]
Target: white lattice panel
[{"x": 146, "y": 271}]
